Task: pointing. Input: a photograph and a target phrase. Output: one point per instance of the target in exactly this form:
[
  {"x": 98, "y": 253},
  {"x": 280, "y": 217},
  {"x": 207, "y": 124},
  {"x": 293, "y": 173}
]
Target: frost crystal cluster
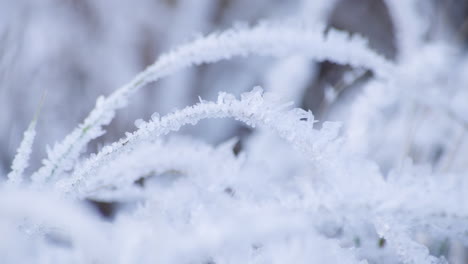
[{"x": 384, "y": 181}]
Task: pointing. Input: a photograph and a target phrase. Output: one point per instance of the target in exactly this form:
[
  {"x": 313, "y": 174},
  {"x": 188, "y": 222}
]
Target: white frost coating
[
  {"x": 410, "y": 27},
  {"x": 296, "y": 126},
  {"x": 76, "y": 224},
  {"x": 265, "y": 39},
  {"x": 21, "y": 160},
  {"x": 408, "y": 250},
  {"x": 183, "y": 157},
  {"x": 400, "y": 174}
]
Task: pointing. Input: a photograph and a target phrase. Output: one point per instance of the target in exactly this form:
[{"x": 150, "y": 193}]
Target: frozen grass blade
[
  {"x": 253, "y": 109},
  {"x": 21, "y": 160},
  {"x": 265, "y": 40}
]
